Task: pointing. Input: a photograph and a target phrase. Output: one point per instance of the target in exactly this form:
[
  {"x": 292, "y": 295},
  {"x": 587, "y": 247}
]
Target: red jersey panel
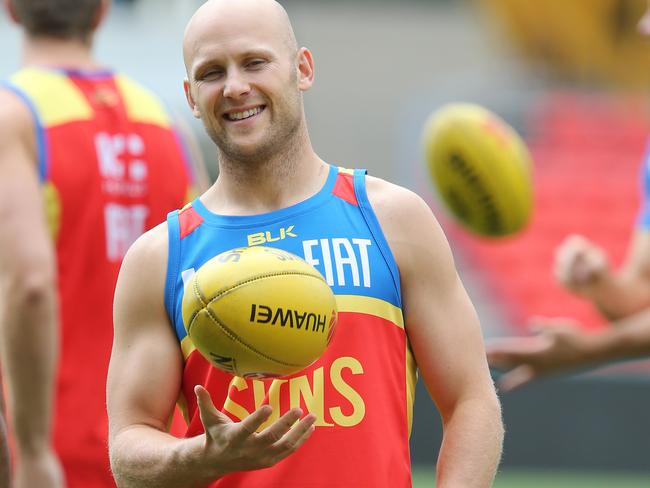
[{"x": 111, "y": 167}]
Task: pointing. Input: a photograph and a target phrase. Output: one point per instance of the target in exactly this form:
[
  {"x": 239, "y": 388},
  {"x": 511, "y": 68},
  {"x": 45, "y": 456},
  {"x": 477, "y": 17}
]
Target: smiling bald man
[{"x": 345, "y": 420}]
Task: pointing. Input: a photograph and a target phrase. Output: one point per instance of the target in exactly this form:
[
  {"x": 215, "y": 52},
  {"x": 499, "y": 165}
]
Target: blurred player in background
[
  {"x": 622, "y": 296},
  {"x": 246, "y": 78},
  {"x": 88, "y": 161}
]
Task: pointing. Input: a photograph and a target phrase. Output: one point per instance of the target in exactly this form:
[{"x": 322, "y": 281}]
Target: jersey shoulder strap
[{"x": 370, "y": 218}]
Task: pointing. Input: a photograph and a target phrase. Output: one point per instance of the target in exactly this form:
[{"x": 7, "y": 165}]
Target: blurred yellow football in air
[{"x": 481, "y": 169}]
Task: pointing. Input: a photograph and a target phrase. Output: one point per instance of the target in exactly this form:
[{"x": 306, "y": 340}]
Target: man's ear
[
  {"x": 10, "y": 8},
  {"x": 100, "y": 14},
  {"x": 305, "y": 67},
  {"x": 190, "y": 99}
]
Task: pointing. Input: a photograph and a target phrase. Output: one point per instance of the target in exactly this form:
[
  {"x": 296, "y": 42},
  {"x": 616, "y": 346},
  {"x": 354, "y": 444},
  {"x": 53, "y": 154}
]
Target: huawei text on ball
[{"x": 262, "y": 314}]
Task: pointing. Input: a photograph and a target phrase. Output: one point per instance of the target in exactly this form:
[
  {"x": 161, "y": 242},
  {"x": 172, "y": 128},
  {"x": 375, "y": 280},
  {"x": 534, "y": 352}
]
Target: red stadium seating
[{"x": 587, "y": 152}]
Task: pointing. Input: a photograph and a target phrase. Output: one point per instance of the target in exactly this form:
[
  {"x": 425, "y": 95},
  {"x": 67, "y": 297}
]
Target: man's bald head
[{"x": 221, "y": 19}]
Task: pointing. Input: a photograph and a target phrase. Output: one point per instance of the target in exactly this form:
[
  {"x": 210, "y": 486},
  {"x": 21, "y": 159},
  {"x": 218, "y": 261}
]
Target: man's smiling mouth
[{"x": 245, "y": 114}]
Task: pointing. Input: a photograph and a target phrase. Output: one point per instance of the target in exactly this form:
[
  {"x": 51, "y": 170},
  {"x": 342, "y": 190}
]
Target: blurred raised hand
[{"x": 581, "y": 265}]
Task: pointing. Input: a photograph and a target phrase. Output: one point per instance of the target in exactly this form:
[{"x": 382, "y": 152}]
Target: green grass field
[{"x": 423, "y": 478}]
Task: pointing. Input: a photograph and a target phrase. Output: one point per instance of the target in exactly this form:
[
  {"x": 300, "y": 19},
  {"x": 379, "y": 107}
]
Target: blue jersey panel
[
  {"x": 340, "y": 238},
  {"x": 644, "y": 215}
]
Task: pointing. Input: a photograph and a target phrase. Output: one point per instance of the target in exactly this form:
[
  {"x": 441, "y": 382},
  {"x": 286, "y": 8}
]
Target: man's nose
[{"x": 236, "y": 85}]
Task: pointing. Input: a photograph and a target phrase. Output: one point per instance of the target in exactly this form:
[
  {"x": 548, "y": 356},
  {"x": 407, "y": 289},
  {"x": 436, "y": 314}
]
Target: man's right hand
[
  {"x": 237, "y": 446},
  {"x": 42, "y": 469},
  {"x": 580, "y": 265}
]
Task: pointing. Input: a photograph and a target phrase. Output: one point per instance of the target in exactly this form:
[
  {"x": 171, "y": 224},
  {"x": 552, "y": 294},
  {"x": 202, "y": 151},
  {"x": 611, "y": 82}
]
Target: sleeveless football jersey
[
  {"x": 362, "y": 388},
  {"x": 111, "y": 167}
]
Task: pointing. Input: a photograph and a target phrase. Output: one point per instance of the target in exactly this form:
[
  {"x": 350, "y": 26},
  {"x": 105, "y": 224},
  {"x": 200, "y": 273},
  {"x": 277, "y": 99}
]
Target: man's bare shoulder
[
  {"x": 394, "y": 204},
  {"x": 410, "y": 227},
  {"x": 148, "y": 254},
  {"x": 140, "y": 286}
]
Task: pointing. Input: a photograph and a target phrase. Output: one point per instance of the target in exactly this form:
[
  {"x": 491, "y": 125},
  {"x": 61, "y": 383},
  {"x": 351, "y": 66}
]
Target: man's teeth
[{"x": 245, "y": 114}]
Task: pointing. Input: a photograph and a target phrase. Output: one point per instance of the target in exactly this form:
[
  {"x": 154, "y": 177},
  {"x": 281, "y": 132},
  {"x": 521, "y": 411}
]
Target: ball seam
[
  {"x": 222, "y": 292},
  {"x": 236, "y": 338}
]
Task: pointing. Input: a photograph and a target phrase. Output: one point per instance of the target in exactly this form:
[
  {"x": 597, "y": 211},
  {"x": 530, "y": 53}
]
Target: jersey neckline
[
  {"x": 268, "y": 217},
  {"x": 89, "y": 73}
]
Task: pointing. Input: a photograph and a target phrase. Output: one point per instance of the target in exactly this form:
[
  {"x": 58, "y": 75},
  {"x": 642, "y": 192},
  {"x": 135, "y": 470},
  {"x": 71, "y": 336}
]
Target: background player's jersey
[
  {"x": 644, "y": 216},
  {"x": 111, "y": 167},
  {"x": 362, "y": 388}
]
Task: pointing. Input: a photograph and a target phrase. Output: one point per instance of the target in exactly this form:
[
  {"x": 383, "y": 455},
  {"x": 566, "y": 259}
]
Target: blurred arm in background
[
  {"x": 560, "y": 345},
  {"x": 583, "y": 268},
  {"x": 623, "y": 297},
  {"x": 4, "y": 447},
  {"x": 194, "y": 157},
  {"x": 28, "y": 304}
]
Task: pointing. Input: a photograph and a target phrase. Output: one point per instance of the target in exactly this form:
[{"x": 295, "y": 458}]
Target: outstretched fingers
[
  {"x": 287, "y": 434},
  {"x": 297, "y": 435},
  {"x": 209, "y": 414},
  {"x": 279, "y": 429},
  {"x": 247, "y": 427}
]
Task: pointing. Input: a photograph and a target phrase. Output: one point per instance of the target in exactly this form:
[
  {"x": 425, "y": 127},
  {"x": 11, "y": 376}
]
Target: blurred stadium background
[{"x": 573, "y": 76}]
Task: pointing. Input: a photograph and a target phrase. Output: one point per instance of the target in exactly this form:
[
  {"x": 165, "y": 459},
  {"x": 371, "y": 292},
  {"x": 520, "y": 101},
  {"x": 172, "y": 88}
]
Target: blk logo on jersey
[{"x": 264, "y": 237}]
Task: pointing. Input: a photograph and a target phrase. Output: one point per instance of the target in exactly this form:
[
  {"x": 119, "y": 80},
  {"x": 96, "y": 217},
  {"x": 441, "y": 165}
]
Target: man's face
[{"x": 243, "y": 82}]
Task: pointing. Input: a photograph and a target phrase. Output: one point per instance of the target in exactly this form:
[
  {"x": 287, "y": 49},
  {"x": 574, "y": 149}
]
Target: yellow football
[
  {"x": 259, "y": 312},
  {"x": 481, "y": 169}
]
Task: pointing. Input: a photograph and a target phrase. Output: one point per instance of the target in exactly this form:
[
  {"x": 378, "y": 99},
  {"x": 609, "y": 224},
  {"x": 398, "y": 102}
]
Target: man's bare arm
[
  {"x": 143, "y": 385},
  {"x": 445, "y": 336}
]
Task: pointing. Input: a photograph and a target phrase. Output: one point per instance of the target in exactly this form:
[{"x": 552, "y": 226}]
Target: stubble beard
[{"x": 279, "y": 139}]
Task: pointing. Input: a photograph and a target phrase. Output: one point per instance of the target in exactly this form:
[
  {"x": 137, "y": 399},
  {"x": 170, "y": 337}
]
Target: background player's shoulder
[
  {"x": 15, "y": 116},
  {"x": 141, "y": 103},
  {"x": 17, "y": 134}
]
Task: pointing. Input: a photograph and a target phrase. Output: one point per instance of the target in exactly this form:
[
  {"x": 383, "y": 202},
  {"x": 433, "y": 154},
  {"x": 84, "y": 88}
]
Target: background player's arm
[
  {"x": 5, "y": 471},
  {"x": 28, "y": 301},
  {"x": 583, "y": 268},
  {"x": 144, "y": 382},
  {"x": 561, "y": 345},
  {"x": 445, "y": 336},
  {"x": 195, "y": 157}
]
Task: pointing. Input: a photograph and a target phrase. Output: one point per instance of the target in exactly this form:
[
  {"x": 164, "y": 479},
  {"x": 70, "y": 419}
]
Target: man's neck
[
  {"x": 66, "y": 53},
  {"x": 248, "y": 188}
]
